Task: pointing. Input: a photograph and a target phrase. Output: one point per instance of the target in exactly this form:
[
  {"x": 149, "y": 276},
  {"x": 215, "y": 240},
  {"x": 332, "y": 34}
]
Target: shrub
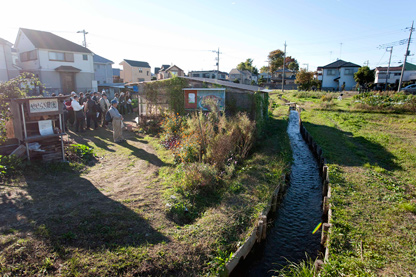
[
  {"x": 10, "y": 166},
  {"x": 80, "y": 153},
  {"x": 328, "y": 97},
  {"x": 198, "y": 176}
]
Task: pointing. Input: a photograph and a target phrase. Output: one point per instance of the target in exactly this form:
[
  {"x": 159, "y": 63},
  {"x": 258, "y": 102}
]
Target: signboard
[
  {"x": 43, "y": 105},
  {"x": 45, "y": 127},
  {"x": 204, "y": 97},
  {"x": 201, "y": 98}
]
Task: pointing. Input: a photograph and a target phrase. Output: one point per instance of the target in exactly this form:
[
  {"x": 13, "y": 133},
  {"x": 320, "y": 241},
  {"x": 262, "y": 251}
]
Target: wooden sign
[{"x": 43, "y": 105}]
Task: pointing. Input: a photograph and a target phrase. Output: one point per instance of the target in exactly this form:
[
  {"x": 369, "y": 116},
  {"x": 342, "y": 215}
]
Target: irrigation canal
[{"x": 300, "y": 211}]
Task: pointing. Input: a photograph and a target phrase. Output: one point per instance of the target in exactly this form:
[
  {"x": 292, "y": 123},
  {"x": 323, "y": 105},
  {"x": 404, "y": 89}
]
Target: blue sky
[{"x": 185, "y": 32}]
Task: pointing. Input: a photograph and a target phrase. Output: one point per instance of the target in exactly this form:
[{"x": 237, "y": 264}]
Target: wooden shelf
[{"x": 39, "y": 137}]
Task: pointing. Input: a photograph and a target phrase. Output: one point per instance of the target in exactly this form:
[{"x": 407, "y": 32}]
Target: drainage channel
[{"x": 290, "y": 238}]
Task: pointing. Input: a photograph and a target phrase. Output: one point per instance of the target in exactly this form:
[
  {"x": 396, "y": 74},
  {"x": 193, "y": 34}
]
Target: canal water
[{"x": 290, "y": 238}]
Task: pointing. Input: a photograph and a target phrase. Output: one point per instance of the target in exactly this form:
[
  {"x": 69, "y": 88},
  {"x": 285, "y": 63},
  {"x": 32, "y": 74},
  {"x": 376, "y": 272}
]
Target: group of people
[{"x": 96, "y": 110}]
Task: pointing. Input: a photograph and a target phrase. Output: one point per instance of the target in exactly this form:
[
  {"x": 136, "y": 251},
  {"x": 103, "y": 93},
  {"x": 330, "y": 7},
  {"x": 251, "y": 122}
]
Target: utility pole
[
  {"x": 340, "y": 50},
  {"x": 283, "y": 76},
  {"x": 307, "y": 66},
  {"x": 85, "y": 40},
  {"x": 405, "y": 57},
  {"x": 218, "y": 60},
  {"x": 367, "y": 62},
  {"x": 388, "y": 67}
]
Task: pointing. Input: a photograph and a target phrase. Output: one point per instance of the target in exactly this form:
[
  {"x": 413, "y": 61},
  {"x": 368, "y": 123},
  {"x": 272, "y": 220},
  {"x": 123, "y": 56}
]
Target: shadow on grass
[
  {"x": 66, "y": 210},
  {"x": 344, "y": 148}
]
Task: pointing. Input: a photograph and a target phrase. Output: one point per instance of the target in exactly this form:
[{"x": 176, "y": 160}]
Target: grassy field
[
  {"x": 372, "y": 161},
  {"x": 112, "y": 218}
]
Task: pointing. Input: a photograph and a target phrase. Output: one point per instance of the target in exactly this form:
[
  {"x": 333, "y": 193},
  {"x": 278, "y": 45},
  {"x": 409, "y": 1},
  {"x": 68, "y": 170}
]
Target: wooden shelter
[{"x": 39, "y": 126}]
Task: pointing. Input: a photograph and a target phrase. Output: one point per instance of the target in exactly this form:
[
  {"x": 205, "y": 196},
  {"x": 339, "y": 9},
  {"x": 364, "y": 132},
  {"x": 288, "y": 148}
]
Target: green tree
[
  {"x": 261, "y": 81},
  {"x": 264, "y": 69},
  {"x": 275, "y": 59},
  {"x": 304, "y": 79},
  {"x": 364, "y": 76},
  {"x": 248, "y": 65},
  {"x": 15, "y": 88}
]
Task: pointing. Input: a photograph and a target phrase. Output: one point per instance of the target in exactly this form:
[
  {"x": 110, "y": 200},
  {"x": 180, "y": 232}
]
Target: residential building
[
  {"x": 61, "y": 65},
  {"x": 290, "y": 76},
  {"x": 103, "y": 70},
  {"x": 409, "y": 74},
  {"x": 209, "y": 74},
  {"x": 8, "y": 66},
  {"x": 166, "y": 73},
  {"x": 339, "y": 74},
  {"x": 116, "y": 75},
  {"x": 243, "y": 76},
  {"x": 135, "y": 71}
]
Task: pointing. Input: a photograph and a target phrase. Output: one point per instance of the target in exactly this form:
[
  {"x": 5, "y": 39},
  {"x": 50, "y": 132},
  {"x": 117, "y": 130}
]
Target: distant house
[
  {"x": 290, "y": 76},
  {"x": 337, "y": 74},
  {"x": 244, "y": 76},
  {"x": 61, "y": 65},
  {"x": 116, "y": 76},
  {"x": 166, "y": 73},
  {"x": 209, "y": 74},
  {"x": 8, "y": 68},
  {"x": 135, "y": 71},
  {"x": 409, "y": 74},
  {"x": 103, "y": 70}
]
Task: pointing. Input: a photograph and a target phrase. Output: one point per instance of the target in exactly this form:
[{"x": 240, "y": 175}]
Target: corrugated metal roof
[
  {"x": 225, "y": 83},
  {"x": 47, "y": 40}
]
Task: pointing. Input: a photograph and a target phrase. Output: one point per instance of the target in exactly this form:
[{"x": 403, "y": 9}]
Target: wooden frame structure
[{"x": 29, "y": 115}]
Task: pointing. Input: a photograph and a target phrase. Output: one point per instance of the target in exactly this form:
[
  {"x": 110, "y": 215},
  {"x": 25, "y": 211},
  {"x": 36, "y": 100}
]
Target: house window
[
  {"x": 195, "y": 75},
  {"x": 29, "y": 56},
  {"x": 60, "y": 56},
  {"x": 85, "y": 57},
  {"x": 98, "y": 82},
  {"x": 148, "y": 73},
  {"x": 397, "y": 74},
  {"x": 140, "y": 70},
  {"x": 330, "y": 72},
  {"x": 348, "y": 71}
]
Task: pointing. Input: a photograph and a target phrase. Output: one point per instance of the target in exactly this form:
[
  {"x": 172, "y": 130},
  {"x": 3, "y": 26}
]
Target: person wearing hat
[{"x": 117, "y": 122}]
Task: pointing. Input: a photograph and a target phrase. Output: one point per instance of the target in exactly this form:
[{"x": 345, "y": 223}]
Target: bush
[
  {"x": 328, "y": 97},
  {"x": 80, "y": 153},
  {"x": 388, "y": 100},
  {"x": 198, "y": 176},
  {"x": 10, "y": 166}
]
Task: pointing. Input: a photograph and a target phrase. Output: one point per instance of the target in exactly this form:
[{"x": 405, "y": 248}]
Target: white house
[
  {"x": 409, "y": 74},
  {"x": 338, "y": 74},
  {"x": 61, "y": 65},
  {"x": 8, "y": 69},
  {"x": 103, "y": 70},
  {"x": 209, "y": 74}
]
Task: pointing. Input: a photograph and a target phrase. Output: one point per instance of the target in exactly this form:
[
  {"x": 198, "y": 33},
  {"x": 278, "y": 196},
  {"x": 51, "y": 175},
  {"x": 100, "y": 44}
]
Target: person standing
[
  {"x": 91, "y": 112},
  {"x": 128, "y": 103},
  {"x": 81, "y": 99},
  {"x": 105, "y": 106},
  {"x": 122, "y": 101},
  {"x": 117, "y": 122},
  {"x": 79, "y": 114}
]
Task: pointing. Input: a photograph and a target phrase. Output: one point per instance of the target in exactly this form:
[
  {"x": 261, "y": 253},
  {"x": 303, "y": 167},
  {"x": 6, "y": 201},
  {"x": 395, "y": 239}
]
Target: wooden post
[
  {"x": 324, "y": 235},
  {"x": 325, "y": 205},
  {"x": 259, "y": 230},
  {"x": 264, "y": 233}
]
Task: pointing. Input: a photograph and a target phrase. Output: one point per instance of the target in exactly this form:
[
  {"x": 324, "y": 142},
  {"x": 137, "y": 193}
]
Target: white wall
[
  {"x": 350, "y": 83},
  {"x": 47, "y": 65}
]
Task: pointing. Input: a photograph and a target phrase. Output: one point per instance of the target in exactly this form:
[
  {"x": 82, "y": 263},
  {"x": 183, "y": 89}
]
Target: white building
[
  {"x": 61, "y": 65},
  {"x": 338, "y": 74},
  {"x": 8, "y": 68},
  {"x": 243, "y": 76},
  {"x": 209, "y": 74},
  {"x": 409, "y": 74}
]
